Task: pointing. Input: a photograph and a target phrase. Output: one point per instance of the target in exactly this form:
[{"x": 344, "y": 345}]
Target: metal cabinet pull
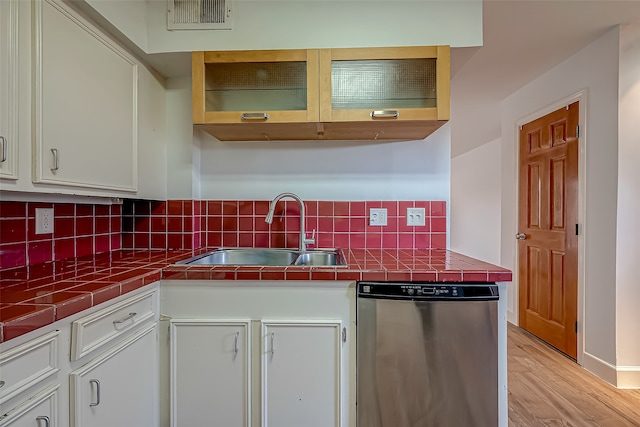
[
  {"x": 2, "y": 383},
  {"x": 521, "y": 236},
  {"x": 384, "y": 114},
  {"x": 235, "y": 345},
  {"x": 46, "y": 420},
  {"x": 3, "y": 141},
  {"x": 56, "y": 160},
  {"x": 254, "y": 116},
  {"x": 273, "y": 342},
  {"x": 97, "y": 383},
  {"x": 124, "y": 319}
]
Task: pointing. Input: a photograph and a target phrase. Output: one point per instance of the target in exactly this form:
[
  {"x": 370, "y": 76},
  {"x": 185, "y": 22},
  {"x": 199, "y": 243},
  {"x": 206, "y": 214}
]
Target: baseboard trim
[
  {"x": 624, "y": 377},
  {"x": 628, "y": 377},
  {"x": 600, "y": 368}
]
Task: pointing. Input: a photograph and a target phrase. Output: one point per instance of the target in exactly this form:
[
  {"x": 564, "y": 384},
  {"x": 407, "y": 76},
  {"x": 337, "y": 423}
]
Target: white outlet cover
[
  {"x": 44, "y": 220},
  {"x": 415, "y": 217},
  {"x": 378, "y": 216}
]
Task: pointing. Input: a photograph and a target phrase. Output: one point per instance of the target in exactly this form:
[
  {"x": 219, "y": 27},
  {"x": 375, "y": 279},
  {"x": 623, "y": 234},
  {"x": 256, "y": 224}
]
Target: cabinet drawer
[
  {"x": 28, "y": 364},
  {"x": 101, "y": 327}
]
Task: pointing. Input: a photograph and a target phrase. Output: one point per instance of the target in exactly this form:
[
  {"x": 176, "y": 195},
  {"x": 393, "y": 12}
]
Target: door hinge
[
  {"x": 169, "y": 332},
  {"x": 578, "y": 131},
  {"x": 344, "y": 335},
  {"x": 577, "y": 230},
  {"x": 575, "y": 326}
]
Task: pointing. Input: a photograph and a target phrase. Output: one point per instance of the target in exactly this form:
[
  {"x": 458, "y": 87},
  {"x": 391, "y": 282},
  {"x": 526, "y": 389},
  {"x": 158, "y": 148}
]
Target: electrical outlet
[
  {"x": 415, "y": 217},
  {"x": 378, "y": 216},
  {"x": 44, "y": 220}
]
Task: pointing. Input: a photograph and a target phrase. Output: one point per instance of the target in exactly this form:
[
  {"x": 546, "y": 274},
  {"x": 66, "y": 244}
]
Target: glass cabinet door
[
  {"x": 408, "y": 83},
  {"x": 255, "y": 86}
]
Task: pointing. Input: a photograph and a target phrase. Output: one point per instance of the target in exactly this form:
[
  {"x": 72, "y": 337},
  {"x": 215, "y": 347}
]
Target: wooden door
[{"x": 547, "y": 233}]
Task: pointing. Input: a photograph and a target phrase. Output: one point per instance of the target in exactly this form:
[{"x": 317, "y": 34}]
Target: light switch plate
[
  {"x": 415, "y": 217},
  {"x": 44, "y": 220},
  {"x": 378, "y": 216}
]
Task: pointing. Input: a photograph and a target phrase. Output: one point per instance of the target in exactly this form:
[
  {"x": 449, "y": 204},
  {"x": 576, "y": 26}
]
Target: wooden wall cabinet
[{"x": 393, "y": 93}]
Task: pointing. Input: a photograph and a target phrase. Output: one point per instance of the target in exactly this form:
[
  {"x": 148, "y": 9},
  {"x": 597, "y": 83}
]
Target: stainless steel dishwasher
[{"x": 427, "y": 355}]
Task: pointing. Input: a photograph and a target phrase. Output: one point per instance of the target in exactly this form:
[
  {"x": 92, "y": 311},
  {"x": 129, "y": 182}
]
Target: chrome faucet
[{"x": 272, "y": 207}]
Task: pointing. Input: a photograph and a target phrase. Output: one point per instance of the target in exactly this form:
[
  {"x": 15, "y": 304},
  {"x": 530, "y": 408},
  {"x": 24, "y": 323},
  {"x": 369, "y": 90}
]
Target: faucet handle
[{"x": 312, "y": 240}]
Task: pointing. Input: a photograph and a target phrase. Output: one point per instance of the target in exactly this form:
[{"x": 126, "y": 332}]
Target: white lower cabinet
[
  {"x": 301, "y": 374},
  {"x": 260, "y": 355},
  {"x": 39, "y": 411},
  {"x": 117, "y": 388},
  {"x": 210, "y": 382}
]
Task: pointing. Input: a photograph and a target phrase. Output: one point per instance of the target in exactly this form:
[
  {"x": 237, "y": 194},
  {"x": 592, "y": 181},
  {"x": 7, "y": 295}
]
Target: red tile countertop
[{"x": 32, "y": 297}]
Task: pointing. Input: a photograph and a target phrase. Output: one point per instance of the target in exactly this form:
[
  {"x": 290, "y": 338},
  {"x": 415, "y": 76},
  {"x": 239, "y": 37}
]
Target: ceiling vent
[{"x": 199, "y": 14}]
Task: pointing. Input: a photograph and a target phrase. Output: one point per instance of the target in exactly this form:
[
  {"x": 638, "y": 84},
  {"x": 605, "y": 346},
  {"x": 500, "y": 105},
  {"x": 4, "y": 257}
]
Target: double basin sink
[{"x": 269, "y": 257}]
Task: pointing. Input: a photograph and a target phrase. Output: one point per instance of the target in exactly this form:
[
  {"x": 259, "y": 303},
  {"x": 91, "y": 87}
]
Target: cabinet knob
[
  {"x": 97, "y": 383},
  {"x": 273, "y": 343},
  {"x": 3, "y": 153},
  {"x": 47, "y": 421},
  {"x": 254, "y": 116},
  {"x": 384, "y": 114},
  {"x": 56, "y": 159}
]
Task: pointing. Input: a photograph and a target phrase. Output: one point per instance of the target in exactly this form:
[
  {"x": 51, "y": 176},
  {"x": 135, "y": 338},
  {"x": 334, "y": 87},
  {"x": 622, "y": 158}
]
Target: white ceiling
[{"x": 522, "y": 40}]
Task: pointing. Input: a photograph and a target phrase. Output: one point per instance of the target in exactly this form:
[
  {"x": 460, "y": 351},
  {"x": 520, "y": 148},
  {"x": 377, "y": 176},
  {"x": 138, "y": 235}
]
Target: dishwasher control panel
[{"x": 427, "y": 291}]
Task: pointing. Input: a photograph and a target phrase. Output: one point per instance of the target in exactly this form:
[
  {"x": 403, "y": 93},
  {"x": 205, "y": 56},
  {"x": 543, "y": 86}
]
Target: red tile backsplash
[
  {"x": 78, "y": 229},
  {"x": 188, "y": 224},
  {"x": 85, "y": 229}
]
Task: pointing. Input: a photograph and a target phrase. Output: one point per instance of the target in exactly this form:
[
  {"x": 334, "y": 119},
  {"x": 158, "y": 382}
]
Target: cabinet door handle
[
  {"x": 97, "y": 383},
  {"x": 46, "y": 420},
  {"x": 56, "y": 160},
  {"x": 273, "y": 342},
  {"x": 384, "y": 114},
  {"x": 235, "y": 345},
  {"x": 124, "y": 319},
  {"x": 254, "y": 116},
  {"x": 3, "y": 141}
]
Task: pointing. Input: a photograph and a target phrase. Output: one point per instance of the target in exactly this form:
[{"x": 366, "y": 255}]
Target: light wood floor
[{"x": 546, "y": 388}]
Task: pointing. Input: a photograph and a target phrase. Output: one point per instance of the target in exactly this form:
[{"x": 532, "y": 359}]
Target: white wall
[
  {"x": 290, "y": 24},
  {"x": 328, "y": 170},
  {"x": 595, "y": 68},
  {"x": 181, "y": 145},
  {"x": 628, "y": 210},
  {"x": 152, "y": 152},
  {"x": 475, "y": 202}
]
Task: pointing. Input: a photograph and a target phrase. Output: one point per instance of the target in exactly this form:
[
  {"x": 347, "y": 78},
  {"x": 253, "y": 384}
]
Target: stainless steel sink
[
  {"x": 268, "y": 257},
  {"x": 318, "y": 258}
]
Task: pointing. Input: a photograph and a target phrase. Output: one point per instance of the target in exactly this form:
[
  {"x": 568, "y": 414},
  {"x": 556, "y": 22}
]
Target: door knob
[{"x": 521, "y": 236}]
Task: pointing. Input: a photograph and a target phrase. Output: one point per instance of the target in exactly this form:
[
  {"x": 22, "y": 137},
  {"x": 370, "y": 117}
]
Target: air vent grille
[{"x": 199, "y": 14}]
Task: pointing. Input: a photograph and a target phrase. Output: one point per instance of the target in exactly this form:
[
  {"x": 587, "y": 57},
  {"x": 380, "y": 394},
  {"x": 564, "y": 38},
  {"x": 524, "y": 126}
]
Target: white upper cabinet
[
  {"x": 8, "y": 89},
  {"x": 85, "y": 103}
]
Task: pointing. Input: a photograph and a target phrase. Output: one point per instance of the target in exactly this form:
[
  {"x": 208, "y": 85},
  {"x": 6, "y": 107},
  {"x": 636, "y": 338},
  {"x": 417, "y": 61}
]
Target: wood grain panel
[
  {"x": 533, "y": 260},
  {"x": 558, "y": 133},
  {"x": 534, "y": 196},
  {"x": 557, "y": 288},
  {"x": 557, "y": 194},
  {"x": 534, "y": 139}
]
